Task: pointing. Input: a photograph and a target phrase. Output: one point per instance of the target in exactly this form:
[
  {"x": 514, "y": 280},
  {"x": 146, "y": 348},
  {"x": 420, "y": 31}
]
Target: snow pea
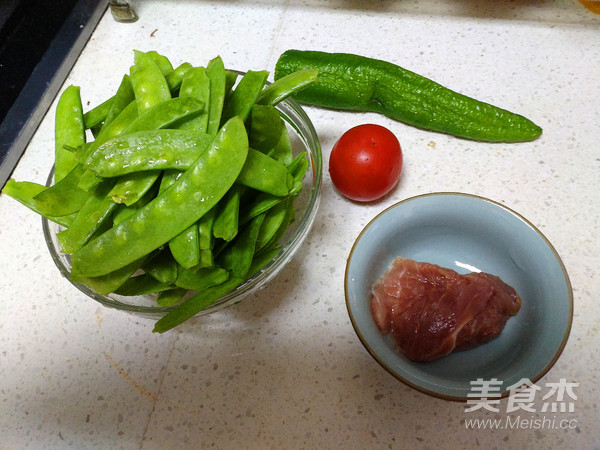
[
  {"x": 141, "y": 285},
  {"x": 96, "y": 116},
  {"x": 115, "y": 128},
  {"x": 162, "y": 267},
  {"x": 274, "y": 219},
  {"x": 163, "y": 63},
  {"x": 206, "y": 239},
  {"x": 170, "y": 297},
  {"x": 244, "y": 95},
  {"x": 264, "y": 128},
  {"x": 282, "y": 151},
  {"x": 207, "y": 297},
  {"x": 200, "y": 279},
  {"x": 282, "y": 88},
  {"x": 25, "y": 191},
  {"x": 237, "y": 257},
  {"x": 205, "y": 230},
  {"x": 96, "y": 210},
  {"x": 260, "y": 204},
  {"x": 69, "y": 130},
  {"x": 196, "y": 85},
  {"x": 110, "y": 282},
  {"x": 148, "y": 150},
  {"x": 272, "y": 244},
  {"x": 215, "y": 71},
  {"x": 225, "y": 224},
  {"x": 165, "y": 114},
  {"x": 124, "y": 211},
  {"x": 185, "y": 247},
  {"x": 263, "y": 173},
  {"x": 149, "y": 84},
  {"x": 63, "y": 197},
  {"x": 121, "y": 99},
  {"x": 175, "y": 78},
  {"x": 171, "y": 212},
  {"x": 132, "y": 187},
  {"x": 151, "y": 88}
]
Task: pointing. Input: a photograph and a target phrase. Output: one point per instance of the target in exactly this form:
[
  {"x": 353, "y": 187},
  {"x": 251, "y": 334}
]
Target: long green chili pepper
[{"x": 353, "y": 82}]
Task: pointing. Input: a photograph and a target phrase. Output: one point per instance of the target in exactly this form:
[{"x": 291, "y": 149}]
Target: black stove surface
[{"x": 39, "y": 43}]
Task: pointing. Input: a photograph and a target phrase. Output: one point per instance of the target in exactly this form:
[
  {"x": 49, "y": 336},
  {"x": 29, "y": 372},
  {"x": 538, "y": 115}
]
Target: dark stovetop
[{"x": 39, "y": 43}]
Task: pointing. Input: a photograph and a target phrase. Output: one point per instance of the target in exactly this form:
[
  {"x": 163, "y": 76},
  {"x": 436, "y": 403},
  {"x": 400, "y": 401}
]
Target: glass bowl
[{"x": 304, "y": 139}]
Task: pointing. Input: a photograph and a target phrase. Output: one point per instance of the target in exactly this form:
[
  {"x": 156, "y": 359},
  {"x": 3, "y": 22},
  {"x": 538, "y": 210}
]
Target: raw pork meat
[{"x": 431, "y": 311}]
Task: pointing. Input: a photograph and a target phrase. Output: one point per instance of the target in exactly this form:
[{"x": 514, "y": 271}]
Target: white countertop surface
[{"x": 285, "y": 369}]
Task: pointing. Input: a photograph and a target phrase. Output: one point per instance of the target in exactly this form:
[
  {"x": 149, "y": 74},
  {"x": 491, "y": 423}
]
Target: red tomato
[{"x": 366, "y": 162}]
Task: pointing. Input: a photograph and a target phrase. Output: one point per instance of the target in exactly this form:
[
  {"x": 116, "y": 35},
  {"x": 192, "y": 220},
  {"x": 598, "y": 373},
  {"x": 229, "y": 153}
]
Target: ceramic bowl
[
  {"x": 304, "y": 139},
  {"x": 465, "y": 233}
]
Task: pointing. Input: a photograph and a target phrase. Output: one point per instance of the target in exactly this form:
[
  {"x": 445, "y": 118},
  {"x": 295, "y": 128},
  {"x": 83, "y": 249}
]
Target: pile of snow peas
[{"x": 181, "y": 184}]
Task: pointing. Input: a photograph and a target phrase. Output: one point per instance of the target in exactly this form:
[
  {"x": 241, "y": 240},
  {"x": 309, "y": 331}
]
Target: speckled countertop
[{"x": 285, "y": 369}]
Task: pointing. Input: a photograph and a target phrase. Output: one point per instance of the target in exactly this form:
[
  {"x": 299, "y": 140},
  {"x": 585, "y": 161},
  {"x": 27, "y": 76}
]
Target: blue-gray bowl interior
[{"x": 466, "y": 233}]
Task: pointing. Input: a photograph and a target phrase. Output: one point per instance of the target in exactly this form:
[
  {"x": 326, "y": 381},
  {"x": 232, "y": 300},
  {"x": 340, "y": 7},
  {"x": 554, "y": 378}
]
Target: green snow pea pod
[
  {"x": 170, "y": 297},
  {"x": 200, "y": 279},
  {"x": 225, "y": 225},
  {"x": 97, "y": 115},
  {"x": 64, "y": 197},
  {"x": 205, "y": 230},
  {"x": 161, "y": 61},
  {"x": 244, "y": 95},
  {"x": 207, "y": 297},
  {"x": 141, "y": 285},
  {"x": 175, "y": 78},
  {"x": 299, "y": 166},
  {"x": 215, "y": 70},
  {"x": 96, "y": 210},
  {"x": 25, "y": 191},
  {"x": 110, "y": 282},
  {"x": 264, "y": 128},
  {"x": 162, "y": 267},
  {"x": 206, "y": 239},
  {"x": 131, "y": 187},
  {"x": 185, "y": 247},
  {"x": 148, "y": 150},
  {"x": 260, "y": 204},
  {"x": 282, "y": 88},
  {"x": 195, "y": 304},
  {"x": 272, "y": 244},
  {"x": 69, "y": 130},
  {"x": 121, "y": 99},
  {"x": 196, "y": 85},
  {"x": 274, "y": 219},
  {"x": 263, "y": 173},
  {"x": 124, "y": 211},
  {"x": 113, "y": 129},
  {"x": 165, "y": 114},
  {"x": 282, "y": 151},
  {"x": 149, "y": 84},
  {"x": 116, "y": 127},
  {"x": 188, "y": 199},
  {"x": 237, "y": 256}
]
